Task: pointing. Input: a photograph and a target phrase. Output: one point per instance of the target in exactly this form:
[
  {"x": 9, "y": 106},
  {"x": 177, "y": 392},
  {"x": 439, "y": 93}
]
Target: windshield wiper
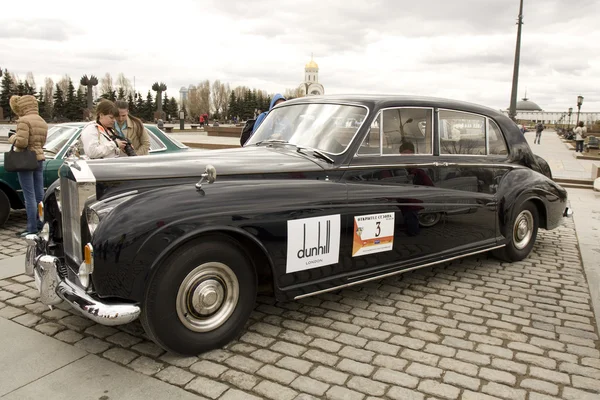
[{"x": 317, "y": 153}]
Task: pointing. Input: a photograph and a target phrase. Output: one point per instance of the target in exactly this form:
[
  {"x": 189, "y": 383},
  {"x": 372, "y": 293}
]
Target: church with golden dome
[{"x": 311, "y": 85}]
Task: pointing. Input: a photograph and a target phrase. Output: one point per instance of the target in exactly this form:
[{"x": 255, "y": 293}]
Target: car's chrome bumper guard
[
  {"x": 568, "y": 212},
  {"x": 54, "y": 289}
]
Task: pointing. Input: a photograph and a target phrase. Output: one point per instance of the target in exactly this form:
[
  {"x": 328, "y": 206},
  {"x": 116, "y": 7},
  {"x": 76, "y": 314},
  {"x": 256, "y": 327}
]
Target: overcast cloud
[{"x": 462, "y": 49}]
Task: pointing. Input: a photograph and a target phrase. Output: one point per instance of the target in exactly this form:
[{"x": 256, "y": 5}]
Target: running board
[{"x": 373, "y": 278}]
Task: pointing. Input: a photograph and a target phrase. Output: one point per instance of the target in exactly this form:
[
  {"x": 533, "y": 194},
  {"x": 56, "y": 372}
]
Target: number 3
[{"x": 378, "y": 229}]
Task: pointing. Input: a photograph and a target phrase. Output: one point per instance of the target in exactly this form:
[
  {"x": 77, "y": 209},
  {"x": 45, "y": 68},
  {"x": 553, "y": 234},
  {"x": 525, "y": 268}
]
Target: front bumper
[{"x": 54, "y": 289}]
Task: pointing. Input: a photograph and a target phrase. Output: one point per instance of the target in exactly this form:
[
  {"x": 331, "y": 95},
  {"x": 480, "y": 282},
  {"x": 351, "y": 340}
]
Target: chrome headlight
[{"x": 99, "y": 210}]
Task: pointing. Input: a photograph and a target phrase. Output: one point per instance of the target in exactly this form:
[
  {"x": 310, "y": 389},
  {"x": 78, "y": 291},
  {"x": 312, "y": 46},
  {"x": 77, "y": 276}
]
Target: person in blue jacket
[{"x": 278, "y": 98}]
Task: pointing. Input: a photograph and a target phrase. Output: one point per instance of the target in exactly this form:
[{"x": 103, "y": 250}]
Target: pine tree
[
  {"x": 165, "y": 105},
  {"x": 5, "y": 93},
  {"x": 139, "y": 105},
  {"x": 232, "y": 105},
  {"x": 21, "y": 89},
  {"x": 121, "y": 94},
  {"x": 42, "y": 105},
  {"x": 81, "y": 101},
  {"x": 173, "y": 108},
  {"x": 59, "y": 103},
  {"x": 71, "y": 106},
  {"x": 132, "y": 107},
  {"x": 149, "y": 107}
]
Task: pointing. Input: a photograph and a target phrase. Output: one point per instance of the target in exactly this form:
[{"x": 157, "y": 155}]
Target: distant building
[
  {"x": 183, "y": 94},
  {"x": 528, "y": 111},
  {"x": 311, "y": 85}
]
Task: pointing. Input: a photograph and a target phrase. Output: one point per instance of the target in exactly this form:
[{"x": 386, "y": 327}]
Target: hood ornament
[{"x": 210, "y": 174}]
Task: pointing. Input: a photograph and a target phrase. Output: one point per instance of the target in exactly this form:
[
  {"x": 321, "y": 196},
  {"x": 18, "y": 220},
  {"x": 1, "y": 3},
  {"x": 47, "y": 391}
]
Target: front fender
[{"x": 140, "y": 233}]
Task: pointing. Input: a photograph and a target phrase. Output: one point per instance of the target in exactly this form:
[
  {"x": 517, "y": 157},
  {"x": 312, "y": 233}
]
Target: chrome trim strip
[
  {"x": 394, "y": 273},
  {"x": 401, "y": 165}
]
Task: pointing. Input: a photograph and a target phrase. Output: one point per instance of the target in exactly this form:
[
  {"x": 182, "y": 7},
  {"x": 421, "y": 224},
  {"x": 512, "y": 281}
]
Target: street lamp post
[
  {"x": 579, "y": 103},
  {"x": 181, "y": 119},
  {"x": 512, "y": 111},
  {"x": 570, "y": 112}
]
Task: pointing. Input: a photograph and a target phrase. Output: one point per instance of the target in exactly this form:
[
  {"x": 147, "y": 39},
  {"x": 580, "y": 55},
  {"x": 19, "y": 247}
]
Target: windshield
[
  {"x": 57, "y": 137},
  {"x": 326, "y": 127}
]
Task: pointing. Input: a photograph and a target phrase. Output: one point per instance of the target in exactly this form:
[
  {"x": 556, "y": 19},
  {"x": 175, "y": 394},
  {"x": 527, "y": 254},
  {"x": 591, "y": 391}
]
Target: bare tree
[
  {"x": 30, "y": 79},
  {"x": 63, "y": 84},
  {"x": 125, "y": 84},
  {"x": 106, "y": 84},
  {"x": 204, "y": 93},
  {"x": 192, "y": 104},
  {"x": 49, "y": 93},
  {"x": 220, "y": 97}
]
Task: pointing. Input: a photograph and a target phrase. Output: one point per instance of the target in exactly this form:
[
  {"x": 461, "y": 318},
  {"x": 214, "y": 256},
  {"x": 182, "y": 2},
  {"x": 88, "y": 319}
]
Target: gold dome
[{"x": 311, "y": 64}]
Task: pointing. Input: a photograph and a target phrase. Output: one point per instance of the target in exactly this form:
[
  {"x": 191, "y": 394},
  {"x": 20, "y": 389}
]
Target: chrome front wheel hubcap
[
  {"x": 207, "y": 297},
  {"x": 523, "y": 229}
]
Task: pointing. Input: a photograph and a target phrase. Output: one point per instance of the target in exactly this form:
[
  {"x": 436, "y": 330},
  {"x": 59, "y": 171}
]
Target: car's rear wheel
[
  {"x": 200, "y": 297},
  {"x": 4, "y": 208},
  {"x": 522, "y": 234}
]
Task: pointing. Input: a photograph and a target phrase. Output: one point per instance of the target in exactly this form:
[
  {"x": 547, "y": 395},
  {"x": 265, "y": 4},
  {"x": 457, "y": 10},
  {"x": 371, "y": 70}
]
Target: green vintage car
[{"x": 59, "y": 140}]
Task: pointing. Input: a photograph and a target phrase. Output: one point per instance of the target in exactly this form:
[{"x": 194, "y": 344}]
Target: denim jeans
[
  {"x": 579, "y": 146},
  {"x": 32, "y": 183}
]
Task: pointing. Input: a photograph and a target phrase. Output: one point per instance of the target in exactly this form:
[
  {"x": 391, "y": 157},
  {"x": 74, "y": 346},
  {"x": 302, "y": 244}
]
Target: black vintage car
[{"x": 329, "y": 192}]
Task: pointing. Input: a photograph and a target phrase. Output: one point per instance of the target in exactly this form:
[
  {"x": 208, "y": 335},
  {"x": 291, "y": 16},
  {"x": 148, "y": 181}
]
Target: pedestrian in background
[
  {"x": 539, "y": 128},
  {"x": 30, "y": 135},
  {"x": 580, "y": 133}
]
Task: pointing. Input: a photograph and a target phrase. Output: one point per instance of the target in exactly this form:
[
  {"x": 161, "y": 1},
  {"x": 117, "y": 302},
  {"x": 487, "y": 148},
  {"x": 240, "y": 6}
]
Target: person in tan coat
[
  {"x": 132, "y": 128},
  {"x": 30, "y": 135}
]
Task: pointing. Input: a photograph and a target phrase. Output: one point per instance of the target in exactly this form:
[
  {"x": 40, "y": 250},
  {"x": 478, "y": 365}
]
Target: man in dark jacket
[
  {"x": 538, "y": 132},
  {"x": 278, "y": 98}
]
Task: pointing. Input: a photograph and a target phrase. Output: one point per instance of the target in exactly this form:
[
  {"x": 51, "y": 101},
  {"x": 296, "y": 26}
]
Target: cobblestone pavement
[
  {"x": 10, "y": 244},
  {"x": 471, "y": 329}
]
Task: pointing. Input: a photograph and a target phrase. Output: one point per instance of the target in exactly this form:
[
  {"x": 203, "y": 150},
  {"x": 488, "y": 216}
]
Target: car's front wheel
[
  {"x": 522, "y": 234},
  {"x": 4, "y": 208},
  {"x": 200, "y": 297}
]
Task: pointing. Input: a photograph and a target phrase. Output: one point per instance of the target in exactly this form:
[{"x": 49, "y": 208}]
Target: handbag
[{"x": 20, "y": 161}]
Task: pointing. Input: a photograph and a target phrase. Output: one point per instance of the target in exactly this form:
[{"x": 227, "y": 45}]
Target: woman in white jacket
[{"x": 98, "y": 138}]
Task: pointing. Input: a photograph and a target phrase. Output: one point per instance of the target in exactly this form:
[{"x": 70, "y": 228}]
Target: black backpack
[{"x": 247, "y": 131}]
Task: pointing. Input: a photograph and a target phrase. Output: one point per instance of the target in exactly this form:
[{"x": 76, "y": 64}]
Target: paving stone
[
  {"x": 27, "y": 320},
  {"x": 424, "y": 371},
  {"x": 583, "y": 382},
  {"x": 49, "y": 328},
  {"x": 503, "y": 391},
  {"x": 543, "y": 362},
  {"x": 341, "y": 393},
  {"x": 275, "y": 391},
  {"x": 146, "y": 365},
  {"x": 208, "y": 368},
  {"x": 37, "y": 307},
  {"x": 9, "y": 312},
  {"x": 458, "y": 343},
  {"x": 346, "y": 328},
  {"x": 309, "y": 385},
  {"x": 294, "y": 364},
  {"x": 75, "y": 323},
  {"x": 458, "y": 366},
  {"x": 257, "y": 339},
  {"x": 430, "y": 359},
  {"x": 404, "y": 341},
  {"x": 16, "y": 288},
  {"x": 357, "y": 354},
  {"x": 510, "y": 366},
  {"x": 206, "y": 387},
  {"x": 280, "y": 375},
  {"x": 461, "y": 380},
  {"x": 400, "y": 393},
  {"x": 175, "y": 376},
  {"x": 92, "y": 345},
  {"x": 354, "y": 367},
  {"x": 329, "y": 375},
  {"x": 120, "y": 355},
  {"x": 69, "y": 336},
  {"x": 243, "y": 363},
  {"x": 576, "y": 394},
  {"x": 326, "y": 345},
  {"x": 239, "y": 379},
  {"x": 439, "y": 389},
  {"x": 99, "y": 331},
  {"x": 496, "y": 375},
  {"x": 320, "y": 357},
  {"x": 233, "y": 394},
  {"x": 266, "y": 356},
  {"x": 150, "y": 349},
  {"x": 351, "y": 340},
  {"x": 288, "y": 348},
  {"x": 19, "y": 301},
  {"x": 540, "y": 386},
  {"x": 396, "y": 378},
  {"x": 367, "y": 386},
  {"x": 123, "y": 339},
  {"x": 178, "y": 361},
  {"x": 218, "y": 355}
]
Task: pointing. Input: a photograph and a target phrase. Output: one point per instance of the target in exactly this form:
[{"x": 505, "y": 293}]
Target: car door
[
  {"x": 471, "y": 148},
  {"x": 393, "y": 183}
]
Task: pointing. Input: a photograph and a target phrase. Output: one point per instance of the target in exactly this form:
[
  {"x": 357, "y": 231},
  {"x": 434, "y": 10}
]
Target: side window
[
  {"x": 496, "y": 143},
  {"x": 371, "y": 143},
  {"x": 461, "y": 133},
  {"x": 407, "y": 131},
  {"x": 155, "y": 143}
]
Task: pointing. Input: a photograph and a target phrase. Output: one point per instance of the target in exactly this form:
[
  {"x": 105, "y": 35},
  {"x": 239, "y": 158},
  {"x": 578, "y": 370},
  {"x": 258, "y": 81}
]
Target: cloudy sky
[{"x": 461, "y": 49}]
